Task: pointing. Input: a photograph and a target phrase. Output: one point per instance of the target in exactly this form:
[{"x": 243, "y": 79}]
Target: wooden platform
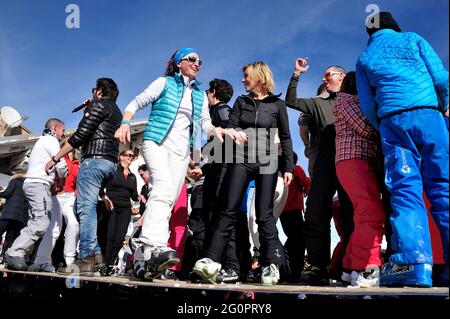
[{"x": 40, "y": 284}]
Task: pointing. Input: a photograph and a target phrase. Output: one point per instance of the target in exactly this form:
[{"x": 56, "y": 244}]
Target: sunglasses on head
[{"x": 193, "y": 59}]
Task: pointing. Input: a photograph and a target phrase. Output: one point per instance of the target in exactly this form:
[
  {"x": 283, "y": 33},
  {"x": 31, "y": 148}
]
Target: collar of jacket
[
  {"x": 218, "y": 104},
  {"x": 179, "y": 78},
  {"x": 268, "y": 99},
  {"x": 380, "y": 33}
]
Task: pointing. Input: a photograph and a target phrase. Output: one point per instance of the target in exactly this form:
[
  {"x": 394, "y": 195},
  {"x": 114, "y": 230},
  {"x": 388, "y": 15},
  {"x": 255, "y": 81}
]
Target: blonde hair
[{"x": 261, "y": 72}]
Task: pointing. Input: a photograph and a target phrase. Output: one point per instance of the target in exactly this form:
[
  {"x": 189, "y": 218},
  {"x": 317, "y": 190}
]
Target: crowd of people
[{"x": 377, "y": 137}]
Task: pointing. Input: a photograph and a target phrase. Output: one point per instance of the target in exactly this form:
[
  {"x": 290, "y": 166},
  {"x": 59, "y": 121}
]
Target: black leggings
[
  {"x": 237, "y": 179},
  {"x": 117, "y": 229}
]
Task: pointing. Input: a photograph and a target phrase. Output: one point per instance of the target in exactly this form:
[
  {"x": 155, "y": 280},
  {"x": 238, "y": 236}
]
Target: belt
[{"x": 108, "y": 158}]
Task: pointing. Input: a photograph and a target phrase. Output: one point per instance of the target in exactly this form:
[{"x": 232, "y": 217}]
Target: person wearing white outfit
[
  {"x": 178, "y": 105},
  {"x": 62, "y": 207}
]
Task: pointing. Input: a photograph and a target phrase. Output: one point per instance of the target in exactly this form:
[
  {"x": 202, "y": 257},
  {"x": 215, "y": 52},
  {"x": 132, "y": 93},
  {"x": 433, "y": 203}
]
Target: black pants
[
  {"x": 12, "y": 229},
  {"x": 292, "y": 223},
  {"x": 237, "y": 254},
  {"x": 319, "y": 208},
  {"x": 236, "y": 182},
  {"x": 204, "y": 203},
  {"x": 117, "y": 229}
]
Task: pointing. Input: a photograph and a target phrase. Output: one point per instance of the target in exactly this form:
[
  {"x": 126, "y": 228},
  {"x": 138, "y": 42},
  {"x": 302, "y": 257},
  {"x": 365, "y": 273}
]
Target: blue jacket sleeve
[
  {"x": 437, "y": 71},
  {"x": 365, "y": 95}
]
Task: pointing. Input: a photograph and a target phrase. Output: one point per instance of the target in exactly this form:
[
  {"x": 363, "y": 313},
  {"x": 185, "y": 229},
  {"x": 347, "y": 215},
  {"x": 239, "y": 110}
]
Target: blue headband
[{"x": 181, "y": 54}]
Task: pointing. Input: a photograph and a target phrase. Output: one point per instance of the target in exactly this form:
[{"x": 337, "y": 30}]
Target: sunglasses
[
  {"x": 328, "y": 74},
  {"x": 128, "y": 155},
  {"x": 193, "y": 59},
  {"x": 93, "y": 90}
]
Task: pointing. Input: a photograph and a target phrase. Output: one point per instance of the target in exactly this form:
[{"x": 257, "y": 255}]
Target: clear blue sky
[{"x": 47, "y": 69}]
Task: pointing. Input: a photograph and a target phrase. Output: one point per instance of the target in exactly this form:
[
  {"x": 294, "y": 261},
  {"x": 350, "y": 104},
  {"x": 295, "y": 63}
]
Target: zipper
[
  {"x": 256, "y": 111},
  {"x": 178, "y": 108}
]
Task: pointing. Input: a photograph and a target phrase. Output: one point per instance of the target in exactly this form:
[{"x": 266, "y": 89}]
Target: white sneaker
[
  {"x": 367, "y": 278},
  {"x": 270, "y": 275},
  {"x": 207, "y": 269}
]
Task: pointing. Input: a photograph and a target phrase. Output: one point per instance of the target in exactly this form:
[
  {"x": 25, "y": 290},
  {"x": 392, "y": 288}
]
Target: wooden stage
[{"x": 49, "y": 285}]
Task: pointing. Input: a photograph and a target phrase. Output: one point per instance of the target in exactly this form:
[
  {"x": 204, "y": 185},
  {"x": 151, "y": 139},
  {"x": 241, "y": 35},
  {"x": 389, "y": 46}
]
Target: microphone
[{"x": 80, "y": 107}]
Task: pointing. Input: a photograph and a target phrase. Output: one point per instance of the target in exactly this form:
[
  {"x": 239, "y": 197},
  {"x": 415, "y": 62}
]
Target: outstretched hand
[{"x": 301, "y": 65}]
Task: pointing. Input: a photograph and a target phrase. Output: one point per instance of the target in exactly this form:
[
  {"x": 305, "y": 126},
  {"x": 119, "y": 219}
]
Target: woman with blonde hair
[{"x": 253, "y": 123}]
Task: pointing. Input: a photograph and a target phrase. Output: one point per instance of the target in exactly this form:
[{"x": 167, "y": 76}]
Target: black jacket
[
  {"x": 219, "y": 114},
  {"x": 267, "y": 113},
  {"x": 145, "y": 191},
  {"x": 95, "y": 133},
  {"x": 120, "y": 190},
  {"x": 16, "y": 206}
]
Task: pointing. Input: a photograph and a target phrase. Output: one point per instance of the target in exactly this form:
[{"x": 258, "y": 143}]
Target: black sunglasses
[
  {"x": 128, "y": 155},
  {"x": 193, "y": 59}
]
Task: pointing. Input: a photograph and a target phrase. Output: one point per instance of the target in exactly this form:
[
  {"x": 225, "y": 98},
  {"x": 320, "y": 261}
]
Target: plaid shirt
[{"x": 355, "y": 136}]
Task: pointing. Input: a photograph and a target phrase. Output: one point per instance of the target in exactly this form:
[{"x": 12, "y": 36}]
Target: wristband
[
  {"x": 127, "y": 122},
  {"x": 54, "y": 160}
]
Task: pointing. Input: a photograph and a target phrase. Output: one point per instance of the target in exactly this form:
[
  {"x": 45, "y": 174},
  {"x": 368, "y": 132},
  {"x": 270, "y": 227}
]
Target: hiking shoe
[
  {"x": 159, "y": 262},
  {"x": 83, "y": 267},
  {"x": 270, "y": 275},
  {"x": 314, "y": 276},
  {"x": 207, "y": 269},
  {"x": 227, "y": 276},
  {"x": 414, "y": 275},
  {"x": 46, "y": 267},
  {"x": 368, "y": 278},
  {"x": 15, "y": 263}
]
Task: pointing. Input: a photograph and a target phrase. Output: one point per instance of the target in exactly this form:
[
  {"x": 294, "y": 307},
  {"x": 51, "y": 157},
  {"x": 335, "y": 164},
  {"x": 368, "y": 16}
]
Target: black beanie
[{"x": 386, "y": 22}]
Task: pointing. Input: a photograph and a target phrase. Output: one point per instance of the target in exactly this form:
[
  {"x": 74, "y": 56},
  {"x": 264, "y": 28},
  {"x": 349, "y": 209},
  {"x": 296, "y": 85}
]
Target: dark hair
[
  {"x": 143, "y": 167},
  {"x": 349, "y": 84},
  {"x": 53, "y": 121},
  {"x": 222, "y": 89},
  {"x": 385, "y": 21},
  {"x": 109, "y": 88},
  {"x": 295, "y": 157},
  {"x": 320, "y": 89},
  {"x": 126, "y": 150},
  {"x": 171, "y": 68}
]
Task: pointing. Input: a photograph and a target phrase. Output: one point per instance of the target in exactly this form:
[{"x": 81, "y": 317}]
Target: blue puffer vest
[{"x": 164, "y": 111}]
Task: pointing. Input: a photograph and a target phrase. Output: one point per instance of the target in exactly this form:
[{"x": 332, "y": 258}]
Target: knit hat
[{"x": 386, "y": 21}]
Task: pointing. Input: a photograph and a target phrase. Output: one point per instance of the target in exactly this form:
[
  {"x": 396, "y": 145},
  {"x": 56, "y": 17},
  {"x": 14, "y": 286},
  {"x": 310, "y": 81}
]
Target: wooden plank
[{"x": 256, "y": 288}]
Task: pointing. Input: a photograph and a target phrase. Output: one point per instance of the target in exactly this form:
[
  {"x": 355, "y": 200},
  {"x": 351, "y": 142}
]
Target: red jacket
[
  {"x": 70, "y": 181},
  {"x": 299, "y": 185},
  {"x": 71, "y": 178}
]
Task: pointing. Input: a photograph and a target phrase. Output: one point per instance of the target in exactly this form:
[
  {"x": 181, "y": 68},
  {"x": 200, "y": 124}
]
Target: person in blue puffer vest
[
  {"x": 178, "y": 105},
  {"x": 403, "y": 91}
]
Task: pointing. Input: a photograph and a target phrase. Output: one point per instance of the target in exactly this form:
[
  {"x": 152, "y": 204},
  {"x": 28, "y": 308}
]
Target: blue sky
[{"x": 47, "y": 69}]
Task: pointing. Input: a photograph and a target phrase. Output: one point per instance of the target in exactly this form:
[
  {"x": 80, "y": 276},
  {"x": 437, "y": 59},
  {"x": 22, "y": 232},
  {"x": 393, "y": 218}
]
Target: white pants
[
  {"x": 62, "y": 206},
  {"x": 279, "y": 200},
  {"x": 168, "y": 171}
]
